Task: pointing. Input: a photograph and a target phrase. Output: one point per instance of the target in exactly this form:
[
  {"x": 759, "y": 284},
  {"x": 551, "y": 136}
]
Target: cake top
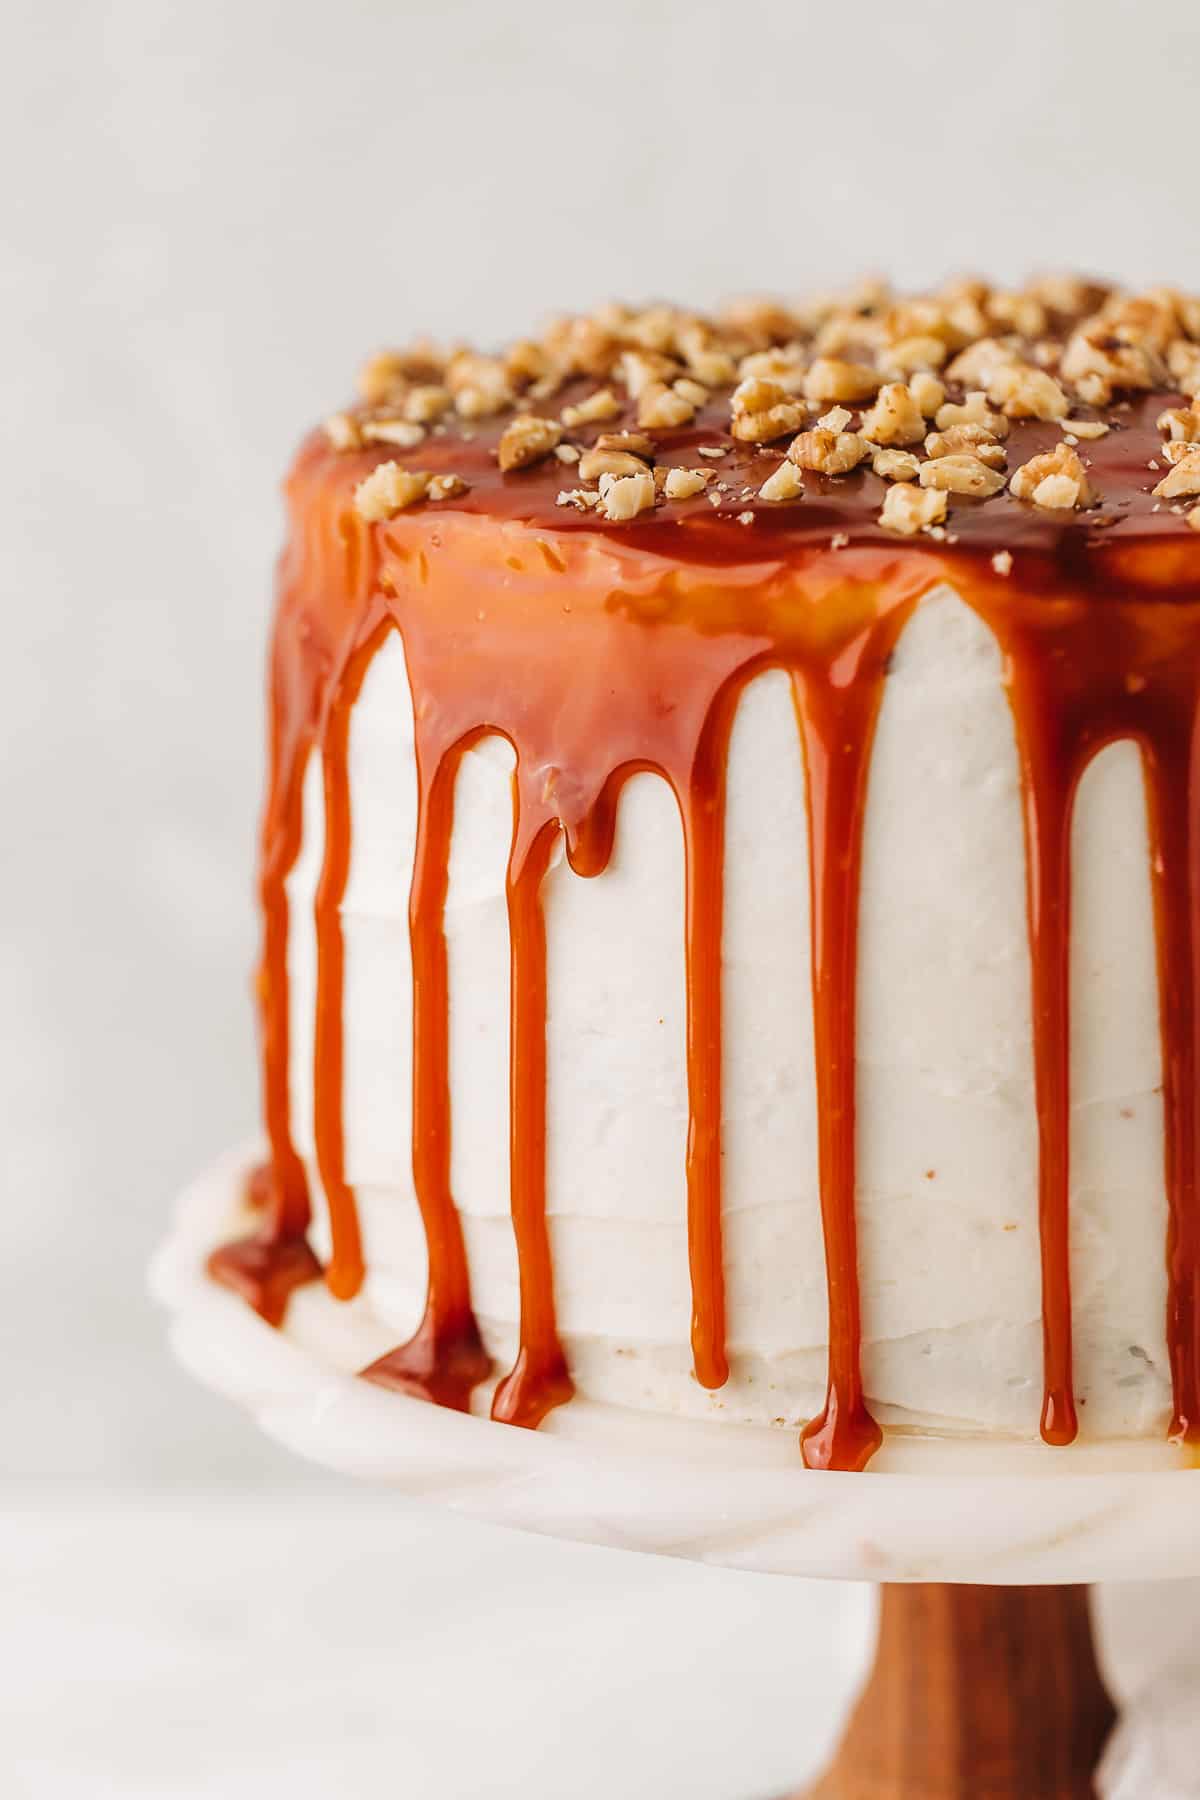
[{"x": 1007, "y": 418}]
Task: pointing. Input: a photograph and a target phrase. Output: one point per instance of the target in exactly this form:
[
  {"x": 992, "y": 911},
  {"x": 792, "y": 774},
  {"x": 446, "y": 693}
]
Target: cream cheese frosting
[{"x": 946, "y": 1121}]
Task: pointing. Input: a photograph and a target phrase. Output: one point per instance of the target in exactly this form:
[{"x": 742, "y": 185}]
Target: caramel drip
[
  {"x": 1171, "y": 770},
  {"x": 596, "y": 654},
  {"x": 267, "y": 1266},
  {"x": 538, "y": 1379},
  {"x": 837, "y": 704},
  {"x": 703, "y": 812},
  {"x": 1050, "y": 773},
  {"x": 445, "y": 1359}
]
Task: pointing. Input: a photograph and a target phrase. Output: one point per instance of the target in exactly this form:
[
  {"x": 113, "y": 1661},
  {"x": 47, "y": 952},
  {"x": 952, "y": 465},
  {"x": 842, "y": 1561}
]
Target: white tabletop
[{"x": 331, "y": 1639}]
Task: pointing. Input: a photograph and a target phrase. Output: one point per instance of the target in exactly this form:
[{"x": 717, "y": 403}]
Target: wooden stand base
[{"x": 977, "y": 1693}]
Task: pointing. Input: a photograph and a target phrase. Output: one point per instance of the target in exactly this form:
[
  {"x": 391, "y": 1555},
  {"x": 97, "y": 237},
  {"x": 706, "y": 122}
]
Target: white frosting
[{"x": 946, "y": 1128}]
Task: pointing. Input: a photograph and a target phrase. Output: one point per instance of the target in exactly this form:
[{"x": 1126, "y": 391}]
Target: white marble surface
[{"x": 303, "y": 1641}]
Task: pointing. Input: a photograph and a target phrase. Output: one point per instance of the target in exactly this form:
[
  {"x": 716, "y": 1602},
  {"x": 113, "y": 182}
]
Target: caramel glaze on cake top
[{"x": 604, "y": 626}]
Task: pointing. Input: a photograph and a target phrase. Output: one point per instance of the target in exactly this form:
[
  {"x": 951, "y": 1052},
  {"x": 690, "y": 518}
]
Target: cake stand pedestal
[
  {"x": 985, "y": 1683},
  {"x": 976, "y": 1691}
]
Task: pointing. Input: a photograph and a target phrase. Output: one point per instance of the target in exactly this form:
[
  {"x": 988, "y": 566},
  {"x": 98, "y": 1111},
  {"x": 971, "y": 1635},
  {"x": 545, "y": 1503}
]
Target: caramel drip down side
[
  {"x": 266, "y": 1267},
  {"x": 445, "y": 1359},
  {"x": 702, "y": 808},
  {"x": 837, "y": 704},
  {"x": 1171, "y": 771},
  {"x": 1050, "y": 771},
  {"x": 538, "y": 1380}
]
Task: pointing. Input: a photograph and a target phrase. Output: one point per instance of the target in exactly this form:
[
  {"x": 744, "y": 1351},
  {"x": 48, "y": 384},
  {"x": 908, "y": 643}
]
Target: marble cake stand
[{"x": 985, "y": 1682}]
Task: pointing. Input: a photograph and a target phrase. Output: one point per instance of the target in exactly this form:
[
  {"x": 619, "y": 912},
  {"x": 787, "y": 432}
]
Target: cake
[{"x": 728, "y": 870}]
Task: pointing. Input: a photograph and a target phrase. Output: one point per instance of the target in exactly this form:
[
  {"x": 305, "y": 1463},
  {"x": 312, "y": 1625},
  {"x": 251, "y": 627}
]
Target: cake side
[{"x": 603, "y": 644}]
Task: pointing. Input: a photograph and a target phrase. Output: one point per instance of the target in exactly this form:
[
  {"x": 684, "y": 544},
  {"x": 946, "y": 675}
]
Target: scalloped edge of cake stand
[{"x": 737, "y": 1496}]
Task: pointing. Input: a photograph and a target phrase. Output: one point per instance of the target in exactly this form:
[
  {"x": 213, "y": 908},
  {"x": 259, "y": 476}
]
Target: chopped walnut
[
  {"x": 1182, "y": 424},
  {"x": 446, "y": 487},
  {"x": 681, "y": 484},
  {"x": 567, "y": 453},
  {"x": 829, "y": 452},
  {"x": 400, "y": 432},
  {"x": 635, "y": 442},
  {"x": 1183, "y": 478},
  {"x": 762, "y": 411},
  {"x": 1002, "y": 562},
  {"x": 687, "y": 389},
  {"x": 639, "y": 368},
  {"x": 978, "y": 364},
  {"x": 707, "y": 360},
  {"x": 1183, "y": 360},
  {"x": 594, "y": 463},
  {"x": 1057, "y": 479},
  {"x": 896, "y": 465},
  {"x": 383, "y": 377},
  {"x": 909, "y": 510},
  {"x": 973, "y": 411},
  {"x": 342, "y": 431},
  {"x": 1024, "y": 392},
  {"x": 1095, "y": 352},
  {"x": 624, "y": 496},
  {"x": 713, "y": 450},
  {"x": 961, "y": 474},
  {"x": 425, "y": 404},
  {"x": 527, "y": 440},
  {"x": 895, "y": 417},
  {"x": 786, "y": 367},
  {"x": 603, "y": 404},
  {"x": 829, "y": 378},
  {"x": 479, "y": 384},
  {"x": 582, "y": 499},
  {"x": 1089, "y": 429},
  {"x": 912, "y": 354},
  {"x": 786, "y": 483},
  {"x": 389, "y": 489},
  {"x": 967, "y": 440},
  {"x": 927, "y": 392},
  {"x": 836, "y": 419},
  {"x": 661, "y": 408}
]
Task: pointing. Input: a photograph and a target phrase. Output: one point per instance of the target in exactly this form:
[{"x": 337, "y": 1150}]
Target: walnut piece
[
  {"x": 594, "y": 463},
  {"x": 1022, "y": 391},
  {"x": 895, "y": 417},
  {"x": 400, "y": 432},
  {"x": 762, "y": 411},
  {"x": 973, "y": 411},
  {"x": 785, "y": 483},
  {"x": 527, "y": 440},
  {"x": 896, "y": 465},
  {"x": 603, "y": 404},
  {"x": 967, "y": 440},
  {"x": 1184, "y": 478},
  {"x": 1055, "y": 480},
  {"x": 446, "y": 487},
  {"x": 681, "y": 484},
  {"x": 961, "y": 474},
  {"x": 625, "y": 496},
  {"x": 829, "y": 378},
  {"x": 829, "y": 452},
  {"x": 909, "y": 510},
  {"x": 342, "y": 431},
  {"x": 388, "y": 490},
  {"x": 661, "y": 408}
]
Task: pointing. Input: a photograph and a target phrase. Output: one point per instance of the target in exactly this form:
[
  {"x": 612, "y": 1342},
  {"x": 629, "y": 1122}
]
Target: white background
[{"x": 210, "y": 212}]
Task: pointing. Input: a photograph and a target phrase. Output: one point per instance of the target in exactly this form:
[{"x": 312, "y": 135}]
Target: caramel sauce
[{"x": 600, "y": 650}]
